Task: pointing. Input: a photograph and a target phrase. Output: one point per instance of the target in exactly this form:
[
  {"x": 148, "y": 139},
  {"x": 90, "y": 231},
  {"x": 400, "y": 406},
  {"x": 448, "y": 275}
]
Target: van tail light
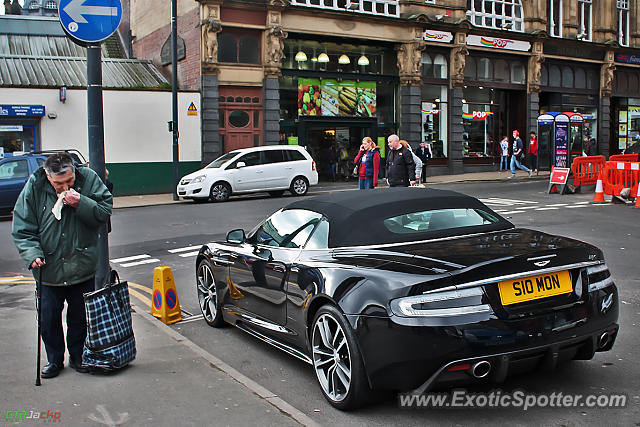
[{"x": 313, "y": 165}]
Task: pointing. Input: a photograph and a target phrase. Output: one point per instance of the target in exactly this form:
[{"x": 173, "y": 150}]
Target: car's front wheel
[
  {"x": 299, "y": 186},
  {"x": 208, "y": 294},
  {"x": 337, "y": 360},
  {"x": 220, "y": 192}
]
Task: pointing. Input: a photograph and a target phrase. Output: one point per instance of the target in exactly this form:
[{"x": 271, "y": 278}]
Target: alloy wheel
[
  {"x": 220, "y": 192},
  {"x": 207, "y": 295},
  {"x": 331, "y": 357},
  {"x": 300, "y": 186}
]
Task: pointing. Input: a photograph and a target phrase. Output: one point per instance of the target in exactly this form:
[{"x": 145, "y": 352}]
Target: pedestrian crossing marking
[
  {"x": 185, "y": 249},
  {"x": 130, "y": 258},
  {"x": 144, "y": 261},
  {"x": 189, "y": 254}
]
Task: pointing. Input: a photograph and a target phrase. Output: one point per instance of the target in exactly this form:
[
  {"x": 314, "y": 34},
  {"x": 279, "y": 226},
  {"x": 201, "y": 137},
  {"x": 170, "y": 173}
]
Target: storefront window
[
  {"x": 477, "y": 120},
  {"x": 16, "y": 139},
  {"x": 434, "y": 119},
  {"x": 628, "y": 125}
]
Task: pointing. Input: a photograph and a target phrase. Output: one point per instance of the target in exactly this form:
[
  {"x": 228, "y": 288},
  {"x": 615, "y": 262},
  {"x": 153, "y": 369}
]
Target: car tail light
[
  {"x": 313, "y": 165},
  {"x": 599, "y": 277},
  {"x": 459, "y": 302}
]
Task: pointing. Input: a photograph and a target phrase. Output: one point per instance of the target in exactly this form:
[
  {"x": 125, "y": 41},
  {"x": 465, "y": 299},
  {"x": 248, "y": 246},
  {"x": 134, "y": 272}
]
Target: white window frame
[
  {"x": 553, "y": 14},
  {"x": 623, "y": 22},
  {"x": 391, "y": 8},
  {"x": 585, "y": 20},
  {"x": 493, "y": 12}
]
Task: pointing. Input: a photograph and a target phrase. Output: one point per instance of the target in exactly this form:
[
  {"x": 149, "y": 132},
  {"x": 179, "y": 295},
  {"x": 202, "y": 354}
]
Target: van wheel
[
  {"x": 277, "y": 193},
  {"x": 220, "y": 192},
  {"x": 299, "y": 186}
]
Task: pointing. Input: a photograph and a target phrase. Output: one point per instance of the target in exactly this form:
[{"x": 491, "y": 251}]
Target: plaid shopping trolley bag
[{"x": 110, "y": 344}]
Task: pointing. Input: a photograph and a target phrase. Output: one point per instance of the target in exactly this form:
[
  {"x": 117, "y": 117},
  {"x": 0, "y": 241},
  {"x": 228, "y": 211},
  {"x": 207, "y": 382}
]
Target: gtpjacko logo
[{"x": 27, "y": 415}]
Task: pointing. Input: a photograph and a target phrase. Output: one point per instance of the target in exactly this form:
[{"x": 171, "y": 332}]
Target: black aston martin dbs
[{"x": 406, "y": 289}]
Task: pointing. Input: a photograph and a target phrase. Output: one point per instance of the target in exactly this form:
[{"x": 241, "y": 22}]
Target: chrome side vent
[{"x": 599, "y": 277}]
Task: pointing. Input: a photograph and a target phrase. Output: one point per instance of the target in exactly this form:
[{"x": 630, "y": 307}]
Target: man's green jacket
[{"x": 69, "y": 246}]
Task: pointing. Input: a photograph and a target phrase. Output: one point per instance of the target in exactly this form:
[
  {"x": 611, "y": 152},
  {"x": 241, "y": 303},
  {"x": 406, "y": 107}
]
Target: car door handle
[{"x": 221, "y": 261}]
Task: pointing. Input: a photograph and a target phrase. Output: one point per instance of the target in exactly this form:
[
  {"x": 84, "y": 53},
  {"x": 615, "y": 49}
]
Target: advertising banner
[
  {"x": 330, "y": 98},
  {"x": 561, "y": 144}
]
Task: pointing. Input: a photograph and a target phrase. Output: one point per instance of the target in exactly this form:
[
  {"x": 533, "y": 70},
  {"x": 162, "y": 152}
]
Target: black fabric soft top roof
[{"x": 356, "y": 217}]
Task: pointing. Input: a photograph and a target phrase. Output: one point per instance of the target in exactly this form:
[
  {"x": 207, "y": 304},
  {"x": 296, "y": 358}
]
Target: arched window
[
  {"x": 544, "y": 76},
  {"x": 501, "y": 71},
  {"x": 517, "y": 73},
  {"x": 485, "y": 69},
  {"x": 500, "y": 14},
  {"x": 580, "y": 78},
  {"x": 249, "y": 50},
  {"x": 555, "y": 78},
  {"x": 440, "y": 67},
  {"x": 427, "y": 65},
  {"x": 567, "y": 77},
  {"x": 470, "y": 68}
]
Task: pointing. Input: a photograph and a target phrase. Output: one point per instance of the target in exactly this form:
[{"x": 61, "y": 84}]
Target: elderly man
[
  {"x": 400, "y": 165},
  {"x": 56, "y": 222}
]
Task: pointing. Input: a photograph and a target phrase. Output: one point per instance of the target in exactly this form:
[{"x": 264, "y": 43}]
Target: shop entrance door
[{"x": 331, "y": 139}]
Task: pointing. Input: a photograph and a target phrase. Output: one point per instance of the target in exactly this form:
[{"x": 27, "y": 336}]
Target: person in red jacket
[
  {"x": 532, "y": 152},
  {"x": 368, "y": 161}
]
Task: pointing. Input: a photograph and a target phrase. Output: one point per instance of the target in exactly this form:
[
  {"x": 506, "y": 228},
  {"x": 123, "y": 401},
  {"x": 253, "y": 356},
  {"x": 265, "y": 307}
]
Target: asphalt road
[{"x": 149, "y": 234}]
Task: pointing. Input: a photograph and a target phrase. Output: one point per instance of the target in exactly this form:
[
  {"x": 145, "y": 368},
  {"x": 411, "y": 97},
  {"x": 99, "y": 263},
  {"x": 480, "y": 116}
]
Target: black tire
[
  {"x": 277, "y": 193},
  {"x": 220, "y": 192},
  {"x": 344, "y": 382},
  {"x": 208, "y": 294},
  {"x": 299, "y": 186}
]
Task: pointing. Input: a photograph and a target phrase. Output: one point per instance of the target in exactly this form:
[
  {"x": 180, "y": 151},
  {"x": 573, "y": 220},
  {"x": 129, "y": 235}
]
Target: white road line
[
  {"x": 130, "y": 258},
  {"x": 512, "y": 212},
  {"x": 546, "y": 209},
  {"x": 576, "y": 206},
  {"x": 190, "y": 254},
  {"x": 506, "y": 201},
  {"x": 192, "y": 319},
  {"x": 558, "y": 204},
  {"x": 499, "y": 210},
  {"x": 188, "y": 248},
  {"x": 582, "y": 203},
  {"x": 145, "y": 261}
]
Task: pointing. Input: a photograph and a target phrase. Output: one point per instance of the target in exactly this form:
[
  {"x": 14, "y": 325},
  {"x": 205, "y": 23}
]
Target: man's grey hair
[
  {"x": 58, "y": 164},
  {"x": 394, "y": 137}
]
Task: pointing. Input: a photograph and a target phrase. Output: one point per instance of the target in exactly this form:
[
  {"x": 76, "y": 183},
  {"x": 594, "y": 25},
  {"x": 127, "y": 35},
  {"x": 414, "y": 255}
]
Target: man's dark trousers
[{"x": 53, "y": 298}]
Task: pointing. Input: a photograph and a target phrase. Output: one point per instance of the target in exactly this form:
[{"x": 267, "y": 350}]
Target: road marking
[
  {"x": 188, "y": 248},
  {"x": 141, "y": 287},
  {"x": 512, "y": 212},
  {"x": 130, "y": 258},
  {"x": 507, "y": 202},
  {"x": 559, "y": 204},
  {"x": 145, "y": 300},
  {"x": 190, "y": 254},
  {"x": 17, "y": 280},
  {"x": 546, "y": 209},
  {"x": 582, "y": 203},
  {"x": 192, "y": 319},
  {"x": 144, "y": 261},
  {"x": 577, "y": 206}
]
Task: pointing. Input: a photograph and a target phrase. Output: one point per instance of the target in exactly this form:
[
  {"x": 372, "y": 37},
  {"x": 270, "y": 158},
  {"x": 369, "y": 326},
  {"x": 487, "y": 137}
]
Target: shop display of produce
[
  {"x": 366, "y": 102},
  {"x": 330, "y": 102},
  {"x": 309, "y": 100},
  {"x": 348, "y": 101}
]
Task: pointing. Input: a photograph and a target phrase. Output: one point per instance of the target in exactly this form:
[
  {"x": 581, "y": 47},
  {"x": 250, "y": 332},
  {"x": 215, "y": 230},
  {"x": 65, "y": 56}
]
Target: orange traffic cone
[
  {"x": 599, "y": 196},
  {"x": 637, "y": 205}
]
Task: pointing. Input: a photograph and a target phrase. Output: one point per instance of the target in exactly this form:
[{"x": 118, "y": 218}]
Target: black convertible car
[{"x": 408, "y": 289}]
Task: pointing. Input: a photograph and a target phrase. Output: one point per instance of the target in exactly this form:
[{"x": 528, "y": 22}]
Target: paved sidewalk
[
  {"x": 167, "y": 199},
  {"x": 171, "y": 383}
]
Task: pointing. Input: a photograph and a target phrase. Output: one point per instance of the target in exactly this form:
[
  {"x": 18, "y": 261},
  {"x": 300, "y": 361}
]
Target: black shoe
[
  {"x": 51, "y": 370},
  {"x": 79, "y": 366}
]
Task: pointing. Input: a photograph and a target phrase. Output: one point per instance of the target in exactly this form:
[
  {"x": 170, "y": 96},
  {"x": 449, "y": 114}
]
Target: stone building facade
[{"x": 456, "y": 74}]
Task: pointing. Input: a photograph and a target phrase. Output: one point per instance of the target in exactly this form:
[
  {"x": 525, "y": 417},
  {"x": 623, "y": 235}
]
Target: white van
[{"x": 273, "y": 168}]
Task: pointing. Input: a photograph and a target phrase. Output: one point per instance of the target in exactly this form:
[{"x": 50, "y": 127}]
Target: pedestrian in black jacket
[
  {"x": 400, "y": 165},
  {"x": 424, "y": 154}
]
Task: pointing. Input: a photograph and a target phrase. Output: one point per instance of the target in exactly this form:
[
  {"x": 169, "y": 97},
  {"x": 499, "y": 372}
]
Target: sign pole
[
  {"x": 174, "y": 94},
  {"x": 96, "y": 144}
]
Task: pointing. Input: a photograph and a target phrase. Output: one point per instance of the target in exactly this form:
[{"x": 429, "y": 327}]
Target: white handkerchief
[{"x": 57, "y": 208}]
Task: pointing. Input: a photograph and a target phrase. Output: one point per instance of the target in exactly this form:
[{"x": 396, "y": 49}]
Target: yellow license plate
[{"x": 534, "y": 287}]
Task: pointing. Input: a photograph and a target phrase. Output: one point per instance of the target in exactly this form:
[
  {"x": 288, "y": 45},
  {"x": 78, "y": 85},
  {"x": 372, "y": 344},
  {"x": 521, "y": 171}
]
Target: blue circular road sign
[{"x": 90, "y": 21}]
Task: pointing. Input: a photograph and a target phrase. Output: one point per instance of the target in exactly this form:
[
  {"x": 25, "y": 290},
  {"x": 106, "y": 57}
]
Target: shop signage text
[
  {"x": 477, "y": 115},
  {"x": 628, "y": 59},
  {"x": 498, "y": 43},
  {"x": 22, "y": 110},
  {"x": 437, "y": 36}
]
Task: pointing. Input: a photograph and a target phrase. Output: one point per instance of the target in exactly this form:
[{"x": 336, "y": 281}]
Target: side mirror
[
  {"x": 240, "y": 165},
  {"x": 236, "y": 236}
]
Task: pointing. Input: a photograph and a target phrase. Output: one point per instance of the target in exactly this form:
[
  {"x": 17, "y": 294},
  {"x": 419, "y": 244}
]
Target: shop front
[
  {"x": 494, "y": 99},
  {"x": 334, "y": 94},
  {"x": 435, "y": 98},
  {"x": 625, "y": 104},
  {"x": 20, "y": 128}
]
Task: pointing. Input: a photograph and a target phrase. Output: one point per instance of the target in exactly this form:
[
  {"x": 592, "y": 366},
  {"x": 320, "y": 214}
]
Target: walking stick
[{"x": 38, "y": 316}]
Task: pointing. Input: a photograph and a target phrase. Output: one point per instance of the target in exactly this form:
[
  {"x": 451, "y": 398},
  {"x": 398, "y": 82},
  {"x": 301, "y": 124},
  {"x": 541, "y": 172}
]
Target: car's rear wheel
[
  {"x": 277, "y": 193},
  {"x": 208, "y": 294},
  {"x": 337, "y": 360},
  {"x": 220, "y": 192},
  {"x": 299, "y": 186}
]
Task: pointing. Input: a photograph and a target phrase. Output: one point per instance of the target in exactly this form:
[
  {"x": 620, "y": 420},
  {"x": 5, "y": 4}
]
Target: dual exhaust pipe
[
  {"x": 480, "y": 369},
  {"x": 603, "y": 340}
]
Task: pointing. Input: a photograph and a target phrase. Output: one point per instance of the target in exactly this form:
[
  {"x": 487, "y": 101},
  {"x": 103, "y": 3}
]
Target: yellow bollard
[{"x": 165, "y": 304}]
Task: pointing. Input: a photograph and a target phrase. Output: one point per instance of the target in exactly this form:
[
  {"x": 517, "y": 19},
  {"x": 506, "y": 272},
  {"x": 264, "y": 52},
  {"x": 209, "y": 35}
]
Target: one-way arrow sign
[{"x": 92, "y": 22}]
